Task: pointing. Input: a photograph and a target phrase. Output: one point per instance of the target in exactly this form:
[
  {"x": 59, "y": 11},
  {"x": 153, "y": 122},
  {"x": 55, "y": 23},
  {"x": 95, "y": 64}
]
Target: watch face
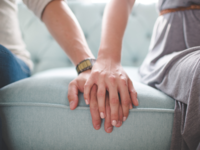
[{"x": 84, "y": 65}]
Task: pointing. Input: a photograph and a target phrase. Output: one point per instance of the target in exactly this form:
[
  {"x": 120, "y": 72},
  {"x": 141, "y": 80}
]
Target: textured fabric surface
[
  {"x": 172, "y": 65},
  {"x": 38, "y": 110},
  {"x": 12, "y": 69}
]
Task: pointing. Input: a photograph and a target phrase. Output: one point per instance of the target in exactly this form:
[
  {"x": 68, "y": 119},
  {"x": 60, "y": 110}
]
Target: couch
[{"x": 35, "y": 111}]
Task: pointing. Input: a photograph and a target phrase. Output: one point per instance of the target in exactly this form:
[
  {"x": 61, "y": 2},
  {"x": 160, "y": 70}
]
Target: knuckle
[
  {"x": 123, "y": 81},
  {"x": 126, "y": 102},
  {"x": 86, "y": 85},
  {"x": 112, "y": 79},
  {"x": 95, "y": 72},
  {"x": 71, "y": 83},
  {"x": 102, "y": 75},
  {"x": 94, "y": 108},
  {"x": 114, "y": 101},
  {"x": 101, "y": 94},
  {"x": 134, "y": 92}
]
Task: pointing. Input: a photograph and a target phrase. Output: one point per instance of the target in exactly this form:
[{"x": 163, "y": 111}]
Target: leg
[
  {"x": 11, "y": 68},
  {"x": 182, "y": 82}
]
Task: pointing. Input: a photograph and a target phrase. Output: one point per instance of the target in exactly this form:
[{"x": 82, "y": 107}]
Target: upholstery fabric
[{"x": 35, "y": 114}]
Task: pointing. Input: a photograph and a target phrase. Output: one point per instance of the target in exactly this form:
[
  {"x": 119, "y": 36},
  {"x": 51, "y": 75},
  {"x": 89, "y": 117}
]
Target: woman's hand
[{"x": 109, "y": 75}]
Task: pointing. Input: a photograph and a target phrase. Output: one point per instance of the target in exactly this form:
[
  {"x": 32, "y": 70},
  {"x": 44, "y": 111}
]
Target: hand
[
  {"x": 109, "y": 75},
  {"x": 75, "y": 86},
  {"x": 94, "y": 109}
]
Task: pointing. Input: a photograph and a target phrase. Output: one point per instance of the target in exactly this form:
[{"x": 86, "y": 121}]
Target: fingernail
[
  {"x": 86, "y": 101},
  {"x": 109, "y": 129},
  {"x": 102, "y": 115},
  {"x": 130, "y": 107},
  {"x": 124, "y": 118},
  {"x": 114, "y": 122},
  {"x": 71, "y": 103},
  {"x": 97, "y": 127}
]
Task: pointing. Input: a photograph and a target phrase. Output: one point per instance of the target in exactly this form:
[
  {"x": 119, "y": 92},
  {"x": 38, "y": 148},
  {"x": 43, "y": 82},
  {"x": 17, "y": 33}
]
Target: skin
[
  {"x": 64, "y": 27},
  {"x": 107, "y": 73}
]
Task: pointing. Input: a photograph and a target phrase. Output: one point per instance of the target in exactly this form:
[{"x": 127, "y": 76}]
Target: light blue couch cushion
[{"x": 36, "y": 115}]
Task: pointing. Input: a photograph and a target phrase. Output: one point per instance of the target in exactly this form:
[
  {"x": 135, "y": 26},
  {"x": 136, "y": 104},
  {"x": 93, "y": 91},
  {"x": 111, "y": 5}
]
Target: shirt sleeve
[{"x": 37, "y": 6}]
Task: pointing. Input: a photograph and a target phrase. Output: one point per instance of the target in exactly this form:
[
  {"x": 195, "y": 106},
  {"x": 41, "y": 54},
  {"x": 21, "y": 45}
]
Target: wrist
[
  {"x": 111, "y": 54},
  {"x": 85, "y": 65},
  {"x": 81, "y": 55}
]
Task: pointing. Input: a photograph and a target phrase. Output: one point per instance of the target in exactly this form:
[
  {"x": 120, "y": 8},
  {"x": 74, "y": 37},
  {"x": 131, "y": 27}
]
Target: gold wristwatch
[{"x": 85, "y": 65}]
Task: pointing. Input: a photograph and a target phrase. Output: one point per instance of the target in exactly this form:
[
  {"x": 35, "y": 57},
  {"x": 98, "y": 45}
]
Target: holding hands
[
  {"x": 107, "y": 87},
  {"x": 109, "y": 76}
]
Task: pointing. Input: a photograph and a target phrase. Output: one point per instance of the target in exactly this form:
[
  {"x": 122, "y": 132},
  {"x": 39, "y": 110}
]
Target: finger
[
  {"x": 87, "y": 88},
  {"x": 96, "y": 120},
  {"x": 107, "y": 124},
  {"x": 125, "y": 97},
  {"x": 119, "y": 123},
  {"x": 114, "y": 100},
  {"x": 101, "y": 99},
  {"x": 133, "y": 93},
  {"x": 73, "y": 95}
]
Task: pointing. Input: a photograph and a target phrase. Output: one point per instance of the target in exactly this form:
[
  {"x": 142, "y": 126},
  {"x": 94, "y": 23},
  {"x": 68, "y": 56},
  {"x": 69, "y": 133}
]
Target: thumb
[{"x": 73, "y": 95}]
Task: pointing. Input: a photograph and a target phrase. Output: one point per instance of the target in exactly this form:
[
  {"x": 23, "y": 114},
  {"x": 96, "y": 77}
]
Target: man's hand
[
  {"x": 78, "y": 85},
  {"x": 94, "y": 109},
  {"x": 75, "y": 86}
]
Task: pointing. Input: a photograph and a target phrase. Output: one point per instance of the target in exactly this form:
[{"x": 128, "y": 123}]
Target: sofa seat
[{"x": 35, "y": 114}]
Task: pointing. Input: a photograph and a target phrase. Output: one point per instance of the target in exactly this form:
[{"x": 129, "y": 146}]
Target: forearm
[
  {"x": 64, "y": 27},
  {"x": 114, "y": 24}
]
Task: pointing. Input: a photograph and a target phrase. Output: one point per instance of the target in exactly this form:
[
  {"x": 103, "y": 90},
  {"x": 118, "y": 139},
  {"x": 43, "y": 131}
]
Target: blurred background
[
  {"x": 47, "y": 54},
  {"x": 103, "y": 1}
]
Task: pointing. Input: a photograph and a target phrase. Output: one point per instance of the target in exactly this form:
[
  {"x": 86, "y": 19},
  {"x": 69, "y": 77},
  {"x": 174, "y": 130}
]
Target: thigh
[
  {"x": 11, "y": 68},
  {"x": 181, "y": 76},
  {"x": 182, "y": 82}
]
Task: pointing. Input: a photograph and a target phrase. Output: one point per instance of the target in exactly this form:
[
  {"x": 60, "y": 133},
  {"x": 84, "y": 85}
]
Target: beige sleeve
[{"x": 37, "y": 6}]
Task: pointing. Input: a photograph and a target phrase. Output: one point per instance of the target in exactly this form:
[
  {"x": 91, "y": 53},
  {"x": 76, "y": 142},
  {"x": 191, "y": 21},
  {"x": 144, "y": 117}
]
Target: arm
[
  {"x": 64, "y": 27},
  {"x": 114, "y": 24},
  {"x": 107, "y": 73}
]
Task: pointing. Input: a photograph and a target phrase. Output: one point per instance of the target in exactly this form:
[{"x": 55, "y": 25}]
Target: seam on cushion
[{"x": 84, "y": 108}]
